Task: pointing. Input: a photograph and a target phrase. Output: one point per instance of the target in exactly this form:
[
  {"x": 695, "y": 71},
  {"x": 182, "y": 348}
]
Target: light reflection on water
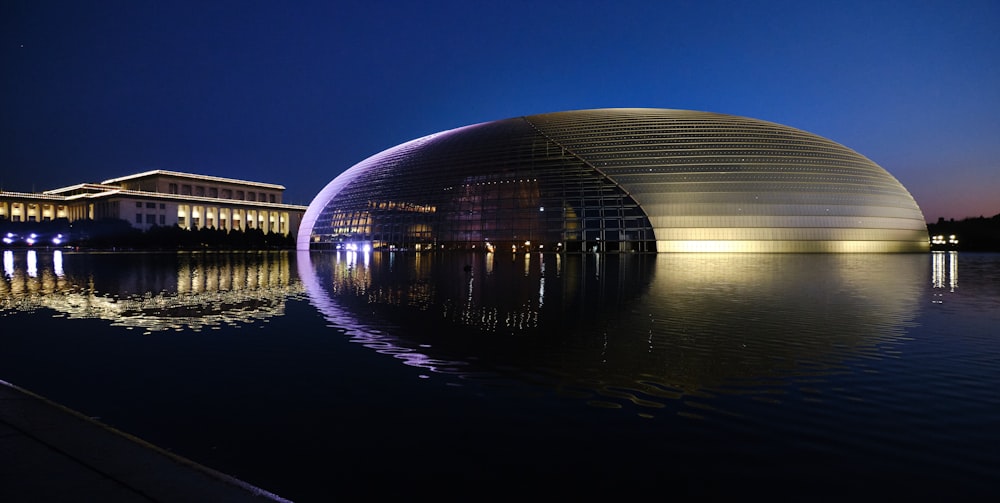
[
  {"x": 768, "y": 367},
  {"x": 944, "y": 270},
  {"x": 618, "y": 329},
  {"x": 152, "y": 292},
  {"x": 635, "y": 328},
  {"x": 614, "y": 330}
]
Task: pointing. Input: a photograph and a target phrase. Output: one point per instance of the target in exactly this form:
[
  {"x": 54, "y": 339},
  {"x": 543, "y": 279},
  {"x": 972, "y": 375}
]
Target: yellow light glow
[{"x": 790, "y": 246}]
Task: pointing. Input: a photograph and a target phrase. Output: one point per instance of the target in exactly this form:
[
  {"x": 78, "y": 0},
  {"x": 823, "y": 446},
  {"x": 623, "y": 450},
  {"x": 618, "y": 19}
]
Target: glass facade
[{"x": 618, "y": 180}]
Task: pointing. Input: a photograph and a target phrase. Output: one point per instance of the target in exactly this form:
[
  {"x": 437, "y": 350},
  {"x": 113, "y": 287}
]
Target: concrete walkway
[{"x": 53, "y": 454}]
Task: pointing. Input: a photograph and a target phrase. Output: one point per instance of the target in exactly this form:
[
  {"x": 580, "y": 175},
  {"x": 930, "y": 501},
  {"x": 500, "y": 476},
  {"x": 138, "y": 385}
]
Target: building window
[
  {"x": 239, "y": 195},
  {"x": 251, "y": 196},
  {"x": 213, "y": 192},
  {"x": 163, "y": 206},
  {"x": 163, "y": 220},
  {"x": 151, "y": 205},
  {"x": 262, "y": 197},
  {"x": 138, "y": 218},
  {"x": 227, "y": 193},
  {"x": 185, "y": 190},
  {"x": 138, "y": 204},
  {"x": 271, "y": 197},
  {"x": 172, "y": 188},
  {"x": 150, "y": 219},
  {"x": 199, "y": 191}
]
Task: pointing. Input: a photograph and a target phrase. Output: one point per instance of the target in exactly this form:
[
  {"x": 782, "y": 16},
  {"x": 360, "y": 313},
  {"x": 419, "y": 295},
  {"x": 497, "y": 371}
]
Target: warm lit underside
[{"x": 790, "y": 246}]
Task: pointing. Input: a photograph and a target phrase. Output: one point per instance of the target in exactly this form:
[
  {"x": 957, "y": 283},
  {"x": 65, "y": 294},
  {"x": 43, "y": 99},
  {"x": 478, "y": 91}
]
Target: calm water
[{"x": 463, "y": 377}]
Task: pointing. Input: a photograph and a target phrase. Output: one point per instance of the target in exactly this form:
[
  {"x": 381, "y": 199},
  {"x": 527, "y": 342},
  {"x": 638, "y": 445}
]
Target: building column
[
  {"x": 197, "y": 217},
  {"x": 184, "y": 216},
  {"x": 17, "y": 212},
  {"x": 211, "y": 217},
  {"x": 283, "y": 223},
  {"x": 239, "y": 219},
  {"x": 225, "y": 220}
]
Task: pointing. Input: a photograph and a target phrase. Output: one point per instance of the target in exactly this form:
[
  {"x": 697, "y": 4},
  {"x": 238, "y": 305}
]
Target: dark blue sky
[{"x": 296, "y": 92}]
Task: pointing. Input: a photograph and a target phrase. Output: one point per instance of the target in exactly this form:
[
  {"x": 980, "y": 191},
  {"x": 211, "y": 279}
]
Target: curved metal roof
[{"x": 705, "y": 181}]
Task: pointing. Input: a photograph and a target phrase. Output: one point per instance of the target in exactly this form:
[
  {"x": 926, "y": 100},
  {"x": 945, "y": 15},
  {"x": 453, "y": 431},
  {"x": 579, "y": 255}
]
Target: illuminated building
[
  {"x": 618, "y": 180},
  {"x": 162, "y": 198}
]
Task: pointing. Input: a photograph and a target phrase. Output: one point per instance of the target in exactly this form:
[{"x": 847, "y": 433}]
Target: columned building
[
  {"x": 162, "y": 198},
  {"x": 28, "y": 207}
]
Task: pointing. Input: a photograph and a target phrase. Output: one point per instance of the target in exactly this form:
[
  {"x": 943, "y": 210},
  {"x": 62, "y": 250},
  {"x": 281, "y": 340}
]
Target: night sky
[{"x": 296, "y": 92}]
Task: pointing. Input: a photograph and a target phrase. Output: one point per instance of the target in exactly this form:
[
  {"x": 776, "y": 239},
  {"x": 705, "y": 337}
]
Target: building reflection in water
[
  {"x": 616, "y": 330},
  {"x": 150, "y": 291},
  {"x": 623, "y": 330}
]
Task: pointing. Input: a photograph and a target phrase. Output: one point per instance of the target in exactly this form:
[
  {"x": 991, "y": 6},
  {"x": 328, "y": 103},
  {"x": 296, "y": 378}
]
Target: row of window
[
  {"x": 670, "y": 155},
  {"x": 669, "y": 208},
  {"x": 29, "y": 218},
  {"x": 223, "y": 224},
  {"x": 789, "y": 234},
  {"x": 151, "y": 219},
  {"x": 699, "y": 168},
  {"x": 788, "y": 164},
  {"x": 786, "y": 221},
  {"x": 215, "y": 192},
  {"x": 30, "y": 212}
]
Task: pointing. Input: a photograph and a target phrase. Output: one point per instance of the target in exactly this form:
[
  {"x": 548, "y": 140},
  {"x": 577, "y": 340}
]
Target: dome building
[{"x": 618, "y": 180}]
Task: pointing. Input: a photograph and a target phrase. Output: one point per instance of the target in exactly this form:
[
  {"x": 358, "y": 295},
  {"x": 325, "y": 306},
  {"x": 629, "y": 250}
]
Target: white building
[{"x": 162, "y": 198}]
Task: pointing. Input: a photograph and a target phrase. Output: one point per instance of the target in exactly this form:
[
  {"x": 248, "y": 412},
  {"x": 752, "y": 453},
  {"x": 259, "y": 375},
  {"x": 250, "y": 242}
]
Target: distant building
[
  {"x": 618, "y": 180},
  {"x": 162, "y": 198}
]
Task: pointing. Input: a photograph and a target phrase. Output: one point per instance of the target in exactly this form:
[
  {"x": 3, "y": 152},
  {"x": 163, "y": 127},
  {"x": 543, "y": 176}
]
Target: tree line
[{"x": 973, "y": 233}]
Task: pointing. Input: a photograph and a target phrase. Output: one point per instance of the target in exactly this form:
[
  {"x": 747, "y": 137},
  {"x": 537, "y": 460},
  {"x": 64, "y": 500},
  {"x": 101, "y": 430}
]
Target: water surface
[{"x": 345, "y": 374}]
